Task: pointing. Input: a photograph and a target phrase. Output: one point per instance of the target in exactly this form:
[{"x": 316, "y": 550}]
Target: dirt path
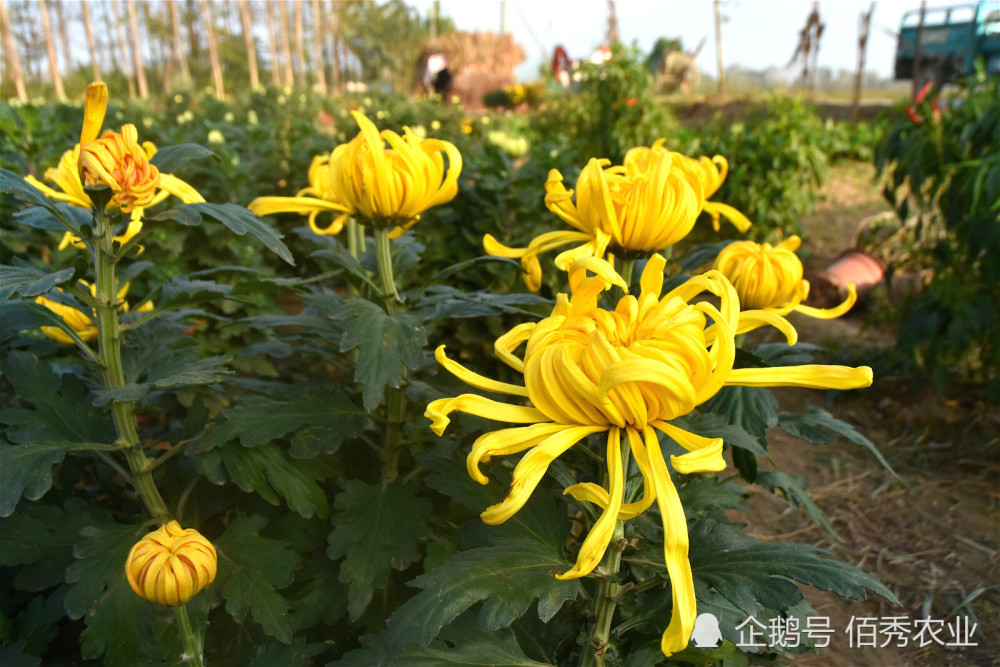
[{"x": 933, "y": 536}]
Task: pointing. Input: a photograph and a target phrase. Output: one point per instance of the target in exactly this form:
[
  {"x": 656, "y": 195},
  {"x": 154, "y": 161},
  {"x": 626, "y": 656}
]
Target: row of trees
[{"x": 51, "y": 46}]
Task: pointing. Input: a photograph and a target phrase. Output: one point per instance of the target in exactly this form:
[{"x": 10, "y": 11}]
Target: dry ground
[{"x": 932, "y": 536}]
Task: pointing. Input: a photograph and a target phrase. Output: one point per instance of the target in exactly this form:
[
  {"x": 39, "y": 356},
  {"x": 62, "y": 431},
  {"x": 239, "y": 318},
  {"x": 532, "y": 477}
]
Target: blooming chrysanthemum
[
  {"x": 711, "y": 172},
  {"x": 117, "y": 160},
  {"x": 171, "y": 565},
  {"x": 588, "y": 370},
  {"x": 79, "y": 322},
  {"x": 770, "y": 278},
  {"x": 382, "y": 187},
  {"x": 647, "y": 204}
]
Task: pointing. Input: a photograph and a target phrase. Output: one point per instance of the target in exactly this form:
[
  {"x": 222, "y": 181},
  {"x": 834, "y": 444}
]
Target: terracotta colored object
[{"x": 854, "y": 266}]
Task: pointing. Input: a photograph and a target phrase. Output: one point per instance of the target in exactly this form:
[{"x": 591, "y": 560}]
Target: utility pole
[
  {"x": 719, "y": 18},
  {"x": 918, "y": 54}
]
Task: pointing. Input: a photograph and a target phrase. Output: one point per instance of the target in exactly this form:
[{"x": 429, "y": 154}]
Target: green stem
[
  {"x": 608, "y": 591},
  {"x": 352, "y": 237},
  {"x": 626, "y": 271},
  {"x": 109, "y": 354},
  {"x": 383, "y": 253},
  {"x": 193, "y": 644}
]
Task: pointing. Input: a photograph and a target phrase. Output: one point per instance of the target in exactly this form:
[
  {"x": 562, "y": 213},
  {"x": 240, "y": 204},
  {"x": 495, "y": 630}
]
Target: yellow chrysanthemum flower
[
  {"x": 647, "y": 204},
  {"x": 80, "y": 322},
  {"x": 588, "y": 370},
  {"x": 117, "y": 160},
  {"x": 382, "y": 187},
  {"x": 171, "y": 565},
  {"x": 770, "y": 278}
]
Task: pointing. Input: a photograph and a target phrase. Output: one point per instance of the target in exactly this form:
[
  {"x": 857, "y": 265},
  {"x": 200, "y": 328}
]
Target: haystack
[{"x": 479, "y": 62}]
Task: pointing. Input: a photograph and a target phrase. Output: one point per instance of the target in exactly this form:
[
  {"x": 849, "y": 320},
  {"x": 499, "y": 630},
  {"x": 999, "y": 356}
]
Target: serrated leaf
[
  {"x": 385, "y": 344},
  {"x": 26, "y": 471},
  {"x": 442, "y": 302},
  {"x": 775, "y": 479},
  {"x": 376, "y": 528},
  {"x": 238, "y": 219},
  {"x": 755, "y": 575},
  {"x": 506, "y": 578},
  {"x": 56, "y": 217},
  {"x": 753, "y": 408},
  {"x": 814, "y": 426},
  {"x": 709, "y": 493},
  {"x": 37, "y": 624},
  {"x": 100, "y": 564},
  {"x": 461, "y": 643},
  {"x": 297, "y": 654},
  {"x": 29, "y": 281},
  {"x": 273, "y": 475},
  {"x": 169, "y": 158},
  {"x": 21, "y": 315},
  {"x": 711, "y": 425},
  {"x": 320, "y": 417},
  {"x": 181, "y": 370},
  {"x": 40, "y": 539},
  {"x": 252, "y": 569}
]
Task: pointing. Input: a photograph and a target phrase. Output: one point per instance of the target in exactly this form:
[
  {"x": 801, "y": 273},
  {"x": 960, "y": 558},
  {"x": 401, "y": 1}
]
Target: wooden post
[
  {"x": 50, "y": 47},
  {"x": 718, "y": 50},
  {"x": 247, "y": 20},
  {"x": 864, "y": 23},
  {"x": 13, "y": 59},
  {"x": 918, "y": 54}
]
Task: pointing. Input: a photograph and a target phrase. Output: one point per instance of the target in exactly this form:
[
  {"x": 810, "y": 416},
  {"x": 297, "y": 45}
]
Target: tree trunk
[
  {"x": 133, "y": 29},
  {"x": 718, "y": 51},
  {"x": 863, "y": 25},
  {"x": 64, "y": 37},
  {"x": 317, "y": 31},
  {"x": 95, "y": 61},
  {"x": 286, "y": 51},
  {"x": 50, "y": 46},
  {"x": 191, "y": 23},
  {"x": 272, "y": 46},
  {"x": 177, "y": 55},
  {"x": 246, "y": 17},
  {"x": 335, "y": 79},
  {"x": 300, "y": 47},
  {"x": 13, "y": 59},
  {"x": 213, "y": 51},
  {"x": 123, "y": 49}
]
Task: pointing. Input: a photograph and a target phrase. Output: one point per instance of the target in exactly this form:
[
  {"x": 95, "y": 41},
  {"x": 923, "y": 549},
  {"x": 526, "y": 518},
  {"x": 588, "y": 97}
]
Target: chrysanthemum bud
[{"x": 171, "y": 565}]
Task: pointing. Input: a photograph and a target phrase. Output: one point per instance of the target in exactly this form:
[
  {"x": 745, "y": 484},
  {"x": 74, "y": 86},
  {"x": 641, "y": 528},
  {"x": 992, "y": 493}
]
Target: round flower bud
[
  {"x": 171, "y": 565},
  {"x": 764, "y": 276},
  {"x": 119, "y": 162}
]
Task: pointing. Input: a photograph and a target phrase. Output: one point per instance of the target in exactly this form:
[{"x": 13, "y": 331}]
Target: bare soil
[{"x": 932, "y": 535}]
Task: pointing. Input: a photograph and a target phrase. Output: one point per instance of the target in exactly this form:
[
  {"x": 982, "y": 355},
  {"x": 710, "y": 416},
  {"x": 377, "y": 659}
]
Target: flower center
[
  {"x": 631, "y": 366},
  {"x": 119, "y": 162}
]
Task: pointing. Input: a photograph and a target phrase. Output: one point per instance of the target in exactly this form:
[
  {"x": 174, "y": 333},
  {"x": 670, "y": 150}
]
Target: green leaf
[
  {"x": 753, "y": 408},
  {"x": 775, "y": 479},
  {"x": 713, "y": 425},
  {"x": 376, "y": 528},
  {"x": 385, "y": 344},
  {"x": 29, "y": 281},
  {"x": 709, "y": 493},
  {"x": 21, "y": 315},
  {"x": 506, "y": 578},
  {"x": 271, "y": 473},
  {"x": 321, "y": 418},
  {"x": 238, "y": 219},
  {"x": 182, "y": 369},
  {"x": 461, "y": 643},
  {"x": 755, "y": 575},
  {"x": 252, "y": 569},
  {"x": 297, "y": 654},
  {"x": 99, "y": 566},
  {"x": 27, "y": 471},
  {"x": 815, "y": 427},
  {"x": 169, "y": 158},
  {"x": 40, "y": 539}
]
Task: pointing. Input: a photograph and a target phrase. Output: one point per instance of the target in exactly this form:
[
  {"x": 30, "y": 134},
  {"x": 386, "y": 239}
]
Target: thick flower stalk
[
  {"x": 770, "y": 278},
  {"x": 171, "y": 565},
  {"x": 645, "y": 205},
  {"x": 626, "y": 372},
  {"x": 81, "y": 323},
  {"x": 117, "y": 160}
]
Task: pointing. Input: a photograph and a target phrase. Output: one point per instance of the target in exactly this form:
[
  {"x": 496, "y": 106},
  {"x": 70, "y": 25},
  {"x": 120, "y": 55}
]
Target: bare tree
[
  {"x": 133, "y": 28},
  {"x": 300, "y": 47},
  {"x": 246, "y": 17},
  {"x": 12, "y": 57},
  {"x": 213, "y": 50},
  {"x": 272, "y": 46},
  {"x": 317, "y": 31},
  {"x": 64, "y": 37},
  {"x": 286, "y": 51},
  {"x": 50, "y": 47},
  {"x": 95, "y": 61},
  {"x": 864, "y": 23},
  {"x": 122, "y": 48}
]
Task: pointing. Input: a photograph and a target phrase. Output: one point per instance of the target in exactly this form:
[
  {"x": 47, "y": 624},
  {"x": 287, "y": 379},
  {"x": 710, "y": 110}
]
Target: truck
[{"x": 951, "y": 40}]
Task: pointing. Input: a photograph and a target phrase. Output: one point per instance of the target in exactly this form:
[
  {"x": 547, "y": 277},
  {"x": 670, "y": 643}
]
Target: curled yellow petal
[
  {"x": 94, "y": 108},
  {"x": 438, "y": 411},
  {"x": 475, "y": 379},
  {"x": 810, "y": 376},
  {"x": 830, "y": 313}
]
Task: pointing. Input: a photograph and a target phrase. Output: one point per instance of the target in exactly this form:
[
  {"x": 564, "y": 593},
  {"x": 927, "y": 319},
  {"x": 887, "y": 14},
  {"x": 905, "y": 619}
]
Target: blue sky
[{"x": 757, "y": 35}]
